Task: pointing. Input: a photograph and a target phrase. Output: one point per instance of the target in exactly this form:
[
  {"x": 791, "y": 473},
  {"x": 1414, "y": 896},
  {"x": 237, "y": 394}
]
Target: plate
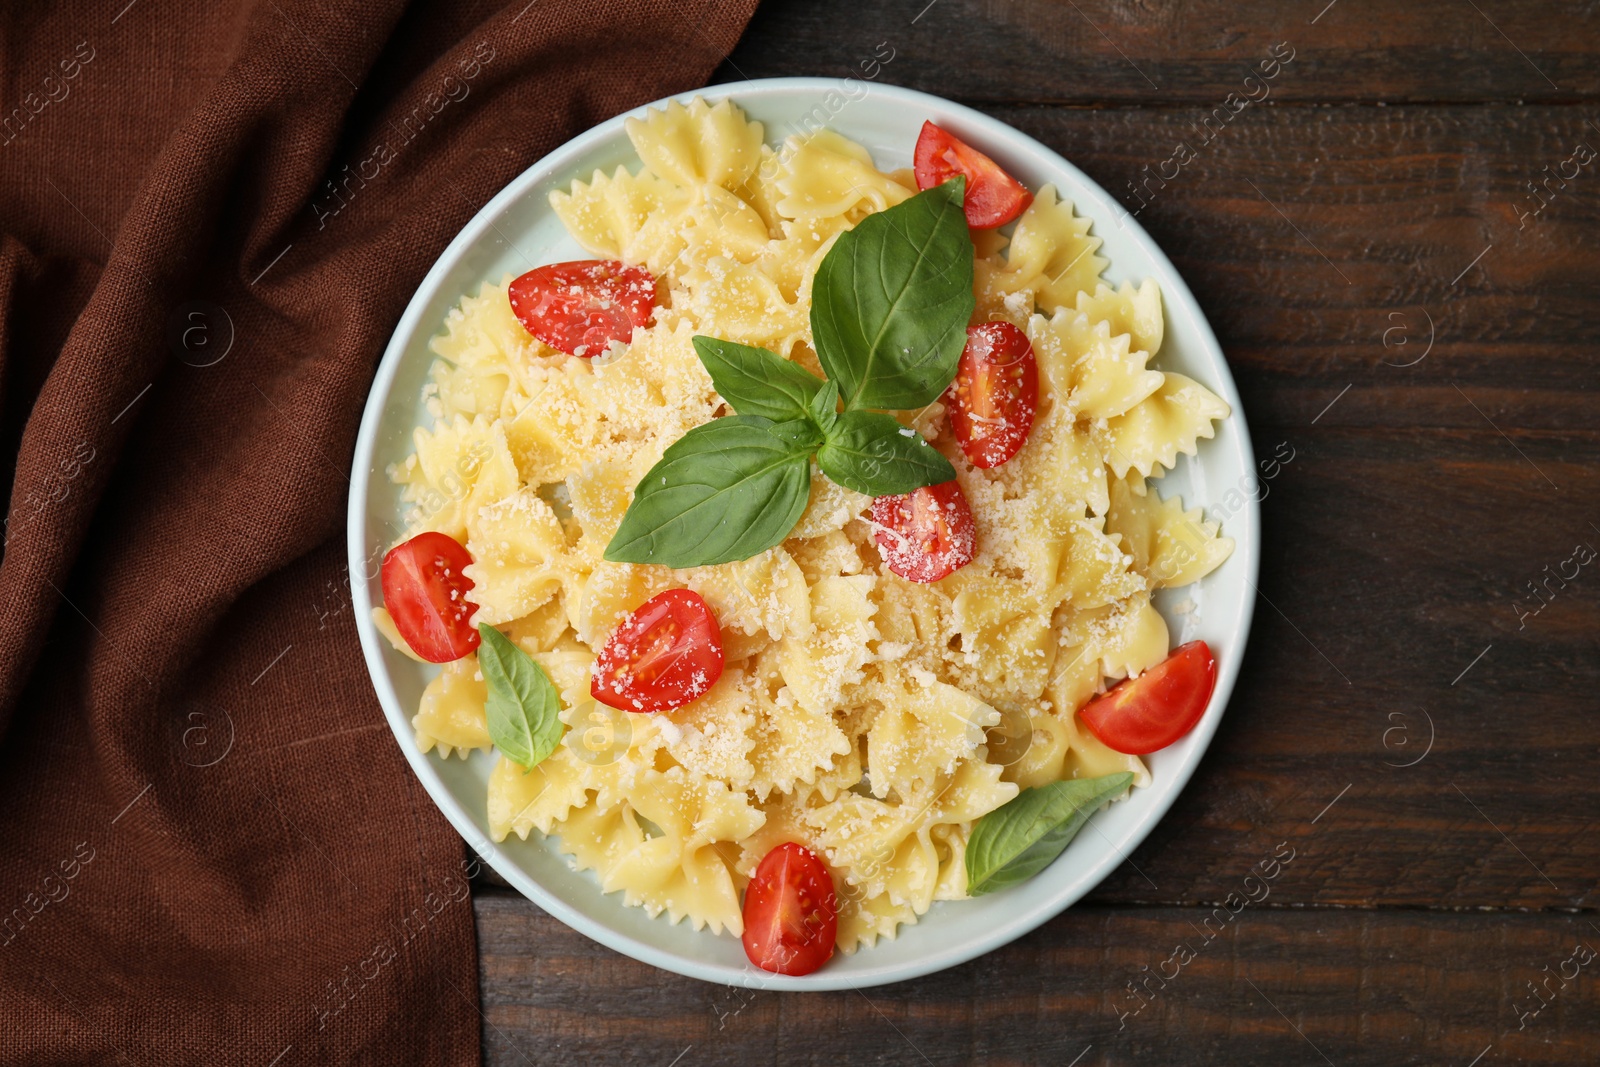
[{"x": 517, "y": 231}]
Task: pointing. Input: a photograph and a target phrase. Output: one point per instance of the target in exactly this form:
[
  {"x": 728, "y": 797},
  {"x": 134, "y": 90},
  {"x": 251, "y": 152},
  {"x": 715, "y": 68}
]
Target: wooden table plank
[
  {"x": 1094, "y": 52},
  {"x": 1376, "y": 988}
]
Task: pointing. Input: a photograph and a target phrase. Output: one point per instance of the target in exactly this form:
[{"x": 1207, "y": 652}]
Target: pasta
[{"x": 860, "y": 714}]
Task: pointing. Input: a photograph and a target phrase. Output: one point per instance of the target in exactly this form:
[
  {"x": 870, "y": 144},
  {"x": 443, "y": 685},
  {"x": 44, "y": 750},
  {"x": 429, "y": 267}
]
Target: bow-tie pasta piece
[
  {"x": 864, "y": 920},
  {"x": 544, "y": 629},
  {"x": 517, "y": 546},
  {"x": 458, "y": 467},
  {"x": 677, "y": 867},
  {"x": 1151, "y": 434},
  {"x": 1007, "y": 640},
  {"x": 916, "y": 624},
  {"x": 1093, "y": 570},
  {"x": 696, "y": 144},
  {"x": 1111, "y": 641},
  {"x": 827, "y": 176},
  {"x": 485, "y": 355},
  {"x": 825, "y": 556},
  {"x": 1129, "y": 310},
  {"x": 1169, "y": 545},
  {"x": 924, "y": 728},
  {"x": 888, "y": 848},
  {"x": 612, "y": 592},
  {"x": 649, "y": 395},
  {"x": 611, "y": 216},
  {"x": 451, "y": 715},
  {"x": 719, "y": 227},
  {"x": 711, "y": 736},
  {"x": 740, "y": 303},
  {"x": 756, "y": 601},
  {"x": 792, "y": 745},
  {"x": 821, "y": 666},
  {"x": 1051, "y": 255},
  {"x": 553, "y": 429},
  {"x": 1081, "y": 360}
]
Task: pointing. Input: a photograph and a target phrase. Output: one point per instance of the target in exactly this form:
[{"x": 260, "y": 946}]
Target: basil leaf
[
  {"x": 873, "y": 454},
  {"x": 722, "y": 492},
  {"x": 755, "y": 381},
  {"x": 1021, "y": 838},
  {"x": 524, "y": 708},
  {"x": 801, "y": 435},
  {"x": 891, "y": 300},
  {"x": 824, "y": 407}
]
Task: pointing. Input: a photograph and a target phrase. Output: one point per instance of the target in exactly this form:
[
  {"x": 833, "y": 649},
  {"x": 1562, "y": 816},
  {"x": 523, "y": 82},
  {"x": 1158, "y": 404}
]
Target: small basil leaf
[
  {"x": 523, "y": 708},
  {"x": 755, "y": 381},
  {"x": 824, "y": 407},
  {"x": 872, "y": 453},
  {"x": 1024, "y": 836},
  {"x": 802, "y": 434},
  {"x": 891, "y": 300},
  {"x": 722, "y": 492}
]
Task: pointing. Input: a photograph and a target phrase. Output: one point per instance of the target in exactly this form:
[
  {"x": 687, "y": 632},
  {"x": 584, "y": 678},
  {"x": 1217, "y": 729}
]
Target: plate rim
[{"x": 1098, "y": 206}]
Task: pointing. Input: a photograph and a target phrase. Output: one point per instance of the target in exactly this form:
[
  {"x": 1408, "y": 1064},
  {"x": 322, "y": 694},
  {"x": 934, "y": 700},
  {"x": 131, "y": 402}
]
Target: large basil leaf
[
  {"x": 1024, "y": 836},
  {"x": 755, "y": 381},
  {"x": 523, "y": 708},
  {"x": 891, "y": 300},
  {"x": 873, "y": 454},
  {"x": 722, "y": 492}
]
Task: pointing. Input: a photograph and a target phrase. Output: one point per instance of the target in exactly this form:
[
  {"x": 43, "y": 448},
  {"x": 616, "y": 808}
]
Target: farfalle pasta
[{"x": 860, "y": 714}]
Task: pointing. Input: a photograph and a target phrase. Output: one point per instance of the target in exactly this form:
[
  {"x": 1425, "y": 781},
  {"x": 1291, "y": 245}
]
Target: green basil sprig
[
  {"x": 889, "y": 310},
  {"x": 1024, "y": 836},
  {"x": 891, "y": 300},
  {"x": 523, "y": 707}
]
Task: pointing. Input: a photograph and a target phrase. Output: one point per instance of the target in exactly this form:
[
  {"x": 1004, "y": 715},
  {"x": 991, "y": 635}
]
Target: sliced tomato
[
  {"x": 791, "y": 915},
  {"x": 993, "y": 198},
  {"x": 995, "y": 393},
  {"x": 926, "y": 534},
  {"x": 582, "y": 306},
  {"x": 1150, "y": 712},
  {"x": 664, "y": 655},
  {"x": 425, "y": 588}
]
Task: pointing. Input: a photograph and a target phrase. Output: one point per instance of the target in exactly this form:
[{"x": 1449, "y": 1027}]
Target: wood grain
[
  {"x": 1095, "y": 52},
  {"x": 1415, "y": 325},
  {"x": 1271, "y": 985}
]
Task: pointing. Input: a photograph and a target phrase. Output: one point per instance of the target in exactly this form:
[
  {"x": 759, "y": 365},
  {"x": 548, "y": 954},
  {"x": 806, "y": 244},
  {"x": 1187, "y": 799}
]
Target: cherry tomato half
[
  {"x": 661, "y": 657},
  {"x": 926, "y": 534},
  {"x": 791, "y": 916},
  {"x": 425, "y": 588},
  {"x": 993, "y": 198},
  {"x": 995, "y": 393},
  {"x": 1150, "y": 712},
  {"x": 582, "y": 306}
]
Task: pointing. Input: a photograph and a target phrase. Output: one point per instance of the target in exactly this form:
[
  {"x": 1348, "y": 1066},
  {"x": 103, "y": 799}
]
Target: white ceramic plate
[{"x": 517, "y": 231}]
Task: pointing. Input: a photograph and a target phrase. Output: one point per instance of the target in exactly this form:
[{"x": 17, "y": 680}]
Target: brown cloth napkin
[{"x": 211, "y": 216}]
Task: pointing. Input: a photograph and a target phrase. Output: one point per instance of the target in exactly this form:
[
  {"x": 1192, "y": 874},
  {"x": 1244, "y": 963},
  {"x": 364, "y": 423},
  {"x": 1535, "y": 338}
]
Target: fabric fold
[{"x": 214, "y": 849}]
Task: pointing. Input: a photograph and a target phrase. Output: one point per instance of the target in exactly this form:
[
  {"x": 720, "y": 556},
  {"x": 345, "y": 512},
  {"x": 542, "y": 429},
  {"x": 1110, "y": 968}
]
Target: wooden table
[{"x": 1416, "y": 718}]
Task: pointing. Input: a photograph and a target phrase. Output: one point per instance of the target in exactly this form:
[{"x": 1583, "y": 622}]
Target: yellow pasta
[{"x": 868, "y": 717}]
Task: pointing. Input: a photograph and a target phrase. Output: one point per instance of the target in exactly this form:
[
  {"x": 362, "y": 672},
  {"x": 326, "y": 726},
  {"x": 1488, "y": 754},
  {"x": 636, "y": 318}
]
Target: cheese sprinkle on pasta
[{"x": 870, "y": 718}]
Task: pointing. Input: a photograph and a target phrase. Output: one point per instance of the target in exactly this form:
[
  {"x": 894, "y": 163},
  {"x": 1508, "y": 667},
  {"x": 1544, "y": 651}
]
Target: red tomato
[
  {"x": 926, "y": 534},
  {"x": 791, "y": 916},
  {"x": 664, "y": 655},
  {"x": 1143, "y": 714},
  {"x": 995, "y": 393},
  {"x": 582, "y": 306},
  {"x": 993, "y": 198},
  {"x": 425, "y": 589}
]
